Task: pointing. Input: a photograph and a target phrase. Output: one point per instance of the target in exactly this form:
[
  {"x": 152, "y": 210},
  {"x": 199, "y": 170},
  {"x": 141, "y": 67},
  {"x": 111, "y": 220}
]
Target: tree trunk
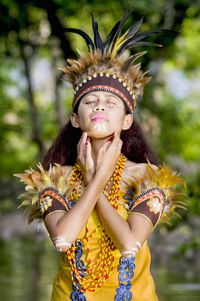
[
  {"x": 34, "y": 116},
  {"x": 60, "y": 111},
  {"x": 56, "y": 27}
]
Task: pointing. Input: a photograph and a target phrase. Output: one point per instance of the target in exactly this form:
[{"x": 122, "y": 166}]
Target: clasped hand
[{"x": 104, "y": 164}]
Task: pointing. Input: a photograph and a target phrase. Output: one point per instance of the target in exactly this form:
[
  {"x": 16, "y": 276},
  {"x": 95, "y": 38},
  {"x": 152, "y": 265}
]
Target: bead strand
[{"x": 96, "y": 272}]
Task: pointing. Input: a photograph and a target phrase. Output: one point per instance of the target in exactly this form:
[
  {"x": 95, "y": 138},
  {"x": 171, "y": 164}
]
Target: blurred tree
[{"x": 33, "y": 39}]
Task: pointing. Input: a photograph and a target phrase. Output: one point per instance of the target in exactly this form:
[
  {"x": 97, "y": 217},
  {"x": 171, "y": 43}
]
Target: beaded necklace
[{"x": 91, "y": 275}]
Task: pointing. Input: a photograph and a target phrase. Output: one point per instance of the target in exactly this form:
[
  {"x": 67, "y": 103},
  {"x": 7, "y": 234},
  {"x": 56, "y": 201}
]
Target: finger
[
  {"x": 82, "y": 144},
  {"x": 88, "y": 150},
  {"x": 116, "y": 138},
  {"x": 119, "y": 143},
  {"x": 119, "y": 146},
  {"x": 78, "y": 146},
  {"x": 83, "y": 139},
  {"x": 115, "y": 148},
  {"x": 117, "y": 152},
  {"x": 116, "y": 135},
  {"x": 80, "y": 141},
  {"x": 89, "y": 162},
  {"x": 100, "y": 155},
  {"x": 113, "y": 144},
  {"x": 107, "y": 145}
]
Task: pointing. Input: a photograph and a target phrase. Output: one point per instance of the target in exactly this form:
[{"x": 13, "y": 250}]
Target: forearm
[
  {"x": 117, "y": 228},
  {"x": 70, "y": 224},
  {"x": 124, "y": 235}
]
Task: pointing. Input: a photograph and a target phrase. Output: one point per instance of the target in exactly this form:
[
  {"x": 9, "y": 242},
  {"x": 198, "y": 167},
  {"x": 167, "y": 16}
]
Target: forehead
[{"x": 103, "y": 95}]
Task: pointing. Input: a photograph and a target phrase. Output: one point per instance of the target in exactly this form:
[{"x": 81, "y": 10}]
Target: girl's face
[{"x": 101, "y": 114}]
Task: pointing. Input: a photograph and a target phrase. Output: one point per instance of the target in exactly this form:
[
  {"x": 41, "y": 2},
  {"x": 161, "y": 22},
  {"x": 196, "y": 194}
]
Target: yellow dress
[
  {"x": 143, "y": 288},
  {"x": 136, "y": 179}
]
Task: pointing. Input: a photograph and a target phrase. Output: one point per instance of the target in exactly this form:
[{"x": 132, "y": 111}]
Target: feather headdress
[{"x": 108, "y": 66}]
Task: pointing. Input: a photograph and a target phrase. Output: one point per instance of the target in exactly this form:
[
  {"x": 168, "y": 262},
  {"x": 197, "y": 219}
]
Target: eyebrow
[
  {"x": 107, "y": 95},
  {"x": 90, "y": 94},
  {"x": 112, "y": 95}
]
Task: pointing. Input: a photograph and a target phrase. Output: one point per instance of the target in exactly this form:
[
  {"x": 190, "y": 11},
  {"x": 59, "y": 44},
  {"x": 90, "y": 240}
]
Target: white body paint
[{"x": 99, "y": 126}]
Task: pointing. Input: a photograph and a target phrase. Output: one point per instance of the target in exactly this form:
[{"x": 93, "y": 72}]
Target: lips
[{"x": 98, "y": 117}]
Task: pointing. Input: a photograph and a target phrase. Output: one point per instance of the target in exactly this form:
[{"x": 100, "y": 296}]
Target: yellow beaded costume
[
  {"x": 92, "y": 269},
  {"x": 98, "y": 258}
]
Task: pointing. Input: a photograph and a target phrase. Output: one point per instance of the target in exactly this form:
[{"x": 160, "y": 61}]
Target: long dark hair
[{"x": 64, "y": 148}]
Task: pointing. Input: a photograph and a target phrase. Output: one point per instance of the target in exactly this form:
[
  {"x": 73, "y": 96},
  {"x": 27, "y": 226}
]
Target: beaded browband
[
  {"x": 109, "y": 66},
  {"x": 106, "y": 82}
]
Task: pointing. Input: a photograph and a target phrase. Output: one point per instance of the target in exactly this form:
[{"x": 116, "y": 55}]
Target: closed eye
[
  {"x": 90, "y": 101},
  {"x": 111, "y": 102}
]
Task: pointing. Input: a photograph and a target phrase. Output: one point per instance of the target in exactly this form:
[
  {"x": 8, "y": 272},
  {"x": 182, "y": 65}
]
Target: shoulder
[
  {"x": 138, "y": 170},
  {"x": 59, "y": 176},
  {"x": 149, "y": 176},
  {"x": 38, "y": 179},
  {"x": 134, "y": 174}
]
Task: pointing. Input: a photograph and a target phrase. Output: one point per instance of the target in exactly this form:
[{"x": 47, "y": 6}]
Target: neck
[{"x": 96, "y": 144}]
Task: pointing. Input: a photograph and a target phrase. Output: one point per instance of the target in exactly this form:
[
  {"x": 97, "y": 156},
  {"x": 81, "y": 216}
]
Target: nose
[{"x": 99, "y": 108}]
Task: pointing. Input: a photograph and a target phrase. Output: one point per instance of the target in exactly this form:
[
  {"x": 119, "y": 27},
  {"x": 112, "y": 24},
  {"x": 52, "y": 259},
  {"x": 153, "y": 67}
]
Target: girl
[{"x": 101, "y": 202}]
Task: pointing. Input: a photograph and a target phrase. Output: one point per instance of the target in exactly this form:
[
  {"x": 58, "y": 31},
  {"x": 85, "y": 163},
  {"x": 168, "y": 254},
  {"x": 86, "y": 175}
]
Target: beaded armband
[
  {"x": 133, "y": 251},
  {"x": 51, "y": 200},
  {"x": 60, "y": 243},
  {"x": 150, "y": 204}
]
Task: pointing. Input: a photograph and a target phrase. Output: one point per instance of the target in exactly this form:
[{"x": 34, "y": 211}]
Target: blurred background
[{"x": 35, "y": 103}]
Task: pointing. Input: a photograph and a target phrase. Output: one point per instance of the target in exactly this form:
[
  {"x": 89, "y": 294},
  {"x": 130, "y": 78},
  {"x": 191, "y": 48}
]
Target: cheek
[
  {"x": 83, "y": 123},
  {"x": 83, "y": 115},
  {"x": 117, "y": 119}
]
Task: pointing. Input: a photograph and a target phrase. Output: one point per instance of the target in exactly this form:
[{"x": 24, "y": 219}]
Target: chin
[{"x": 99, "y": 134}]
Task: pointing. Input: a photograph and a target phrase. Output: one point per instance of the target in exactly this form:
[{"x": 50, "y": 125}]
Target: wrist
[
  {"x": 87, "y": 177},
  {"x": 101, "y": 177},
  {"x": 102, "y": 200}
]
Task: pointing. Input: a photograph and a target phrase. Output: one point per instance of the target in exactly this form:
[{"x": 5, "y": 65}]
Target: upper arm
[
  {"x": 140, "y": 226},
  {"x": 150, "y": 205},
  {"x": 51, "y": 222},
  {"x": 53, "y": 206},
  {"x": 156, "y": 195}
]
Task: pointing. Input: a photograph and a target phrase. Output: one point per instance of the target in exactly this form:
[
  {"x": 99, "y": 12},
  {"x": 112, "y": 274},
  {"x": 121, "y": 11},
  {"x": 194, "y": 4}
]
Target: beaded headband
[{"x": 108, "y": 66}]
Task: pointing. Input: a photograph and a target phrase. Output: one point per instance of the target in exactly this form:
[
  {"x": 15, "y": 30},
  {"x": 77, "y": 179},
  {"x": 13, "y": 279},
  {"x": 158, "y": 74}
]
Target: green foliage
[
  {"x": 194, "y": 193},
  {"x": 31, "y": 34},
  {"x": 191, "y": 245},
  {"x": 188, "y": 44}
]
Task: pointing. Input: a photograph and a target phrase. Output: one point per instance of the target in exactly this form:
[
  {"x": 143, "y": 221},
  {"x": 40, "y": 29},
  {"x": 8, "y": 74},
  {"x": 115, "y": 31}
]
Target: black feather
[
  {"x": 97, "y": 38},
  {"x": 84, "y": 35},
  {"x": 108, "y": 41},
  {"x": 118, "y": 31},
  {"x": 134, "y": 29},
  {"x": 128, "y": 63},
  {"x": 115, "y": 30},
  {"x": 130, "y": 35},
  {"x": 138, "y": 37},
  {"x": 132, "y": 59},
  {"x": 138, "y": 44}
]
